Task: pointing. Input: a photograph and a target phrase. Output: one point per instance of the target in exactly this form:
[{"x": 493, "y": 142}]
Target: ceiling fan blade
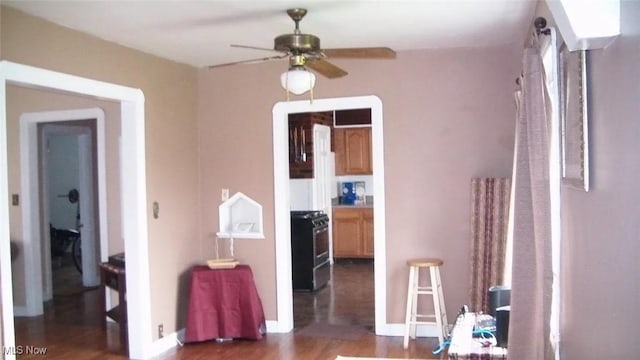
[
  {"x": 361, "y": 53},
  {"x": 253, "y": 47},
  {"x": 250, "y": 61},
  {"x": 325, "y": 68}
]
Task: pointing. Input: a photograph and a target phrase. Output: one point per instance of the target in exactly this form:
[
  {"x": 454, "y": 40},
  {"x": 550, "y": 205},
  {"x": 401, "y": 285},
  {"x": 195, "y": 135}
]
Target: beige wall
[
  {"x": 171, "y": 150},
  {"x": 600, "y": 280},
  {"x": 448, "y": 117}
]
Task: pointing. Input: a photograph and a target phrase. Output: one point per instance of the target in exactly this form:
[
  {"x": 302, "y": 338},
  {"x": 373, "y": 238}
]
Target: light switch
[
  {"x": 156, "y": 210},
  {"x": 15, "y": 199}
]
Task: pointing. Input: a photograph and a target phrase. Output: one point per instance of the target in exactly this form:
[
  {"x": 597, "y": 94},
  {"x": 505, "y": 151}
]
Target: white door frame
[
  {"x": 284, "y": 291},
  {"x": 29, "y": 123},
  {"x": 133, "y": 212}
]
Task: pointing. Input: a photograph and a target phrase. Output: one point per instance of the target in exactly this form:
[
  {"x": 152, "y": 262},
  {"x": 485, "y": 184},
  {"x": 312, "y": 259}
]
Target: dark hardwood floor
[
  {"x": 72, "y": 326},
  {"x": 348, "y": 299}
]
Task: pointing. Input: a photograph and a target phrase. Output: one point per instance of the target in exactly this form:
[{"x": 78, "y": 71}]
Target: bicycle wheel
[{"x": 77, "y": 253}]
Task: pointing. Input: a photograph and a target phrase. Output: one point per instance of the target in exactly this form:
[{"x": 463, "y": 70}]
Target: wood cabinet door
[
  {"x": 339, "y": 148},
  {"x": 347, "y": 233},
  {"x": 358, "y": 151},
  {"x": 367, "y": 233}
]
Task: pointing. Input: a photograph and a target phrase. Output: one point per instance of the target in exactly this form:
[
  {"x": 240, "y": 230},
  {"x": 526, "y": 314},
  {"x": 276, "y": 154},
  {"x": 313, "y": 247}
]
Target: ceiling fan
[{"x": 304, "y": 51}]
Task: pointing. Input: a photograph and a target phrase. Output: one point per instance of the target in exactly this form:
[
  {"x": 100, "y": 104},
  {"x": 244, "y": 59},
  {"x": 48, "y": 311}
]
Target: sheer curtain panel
[{"x": 531, "y": 285}]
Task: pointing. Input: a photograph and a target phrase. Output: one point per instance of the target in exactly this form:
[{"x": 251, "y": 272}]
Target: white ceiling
[{"x": 199, "y": 32}]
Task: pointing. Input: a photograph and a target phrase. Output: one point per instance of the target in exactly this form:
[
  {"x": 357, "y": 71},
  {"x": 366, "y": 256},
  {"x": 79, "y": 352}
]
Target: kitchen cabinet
[
  {"x": 301, "y": 142},
  {"x": 367, "y": 233},
  {"x": 353, "y": 151},
  {"x": 353, "y": 232}
]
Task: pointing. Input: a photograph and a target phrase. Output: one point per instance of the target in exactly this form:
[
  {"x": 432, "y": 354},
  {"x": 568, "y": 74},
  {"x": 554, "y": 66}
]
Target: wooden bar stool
[{"x": 412, "y": 319}]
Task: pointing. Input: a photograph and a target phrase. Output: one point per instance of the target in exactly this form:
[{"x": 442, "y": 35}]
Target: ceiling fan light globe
[{"x": 298, "y": 81}]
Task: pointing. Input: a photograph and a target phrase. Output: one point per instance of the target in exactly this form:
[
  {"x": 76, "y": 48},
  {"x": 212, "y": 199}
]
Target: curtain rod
[{"x": 540, "y": 24}]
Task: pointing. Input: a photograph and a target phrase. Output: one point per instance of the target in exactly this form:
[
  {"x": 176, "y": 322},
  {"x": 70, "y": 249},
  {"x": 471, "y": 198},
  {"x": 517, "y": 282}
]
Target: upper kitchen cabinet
[
  {"x": 353, "y": 151},
  {"x": 301, "y": 142}
]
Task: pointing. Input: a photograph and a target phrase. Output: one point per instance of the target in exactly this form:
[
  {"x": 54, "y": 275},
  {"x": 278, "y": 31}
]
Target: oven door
[
  {"x": 321, "y": 275},
  {"x": 321, "y": 244}
]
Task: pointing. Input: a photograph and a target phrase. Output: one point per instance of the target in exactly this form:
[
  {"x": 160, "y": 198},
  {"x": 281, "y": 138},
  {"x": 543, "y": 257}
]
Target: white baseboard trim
[
  {"x": 384, "y": 330},
  {"x": 167, "y": 343},
  {"x": 20, "y": 311},
  {"x": 177, "y": 338},
  {"x": 170, "y": 341},
  {"x": 398, "y": 330},
  {"x": 273, "y": 327},
  {"x": 23, "y": 311}
]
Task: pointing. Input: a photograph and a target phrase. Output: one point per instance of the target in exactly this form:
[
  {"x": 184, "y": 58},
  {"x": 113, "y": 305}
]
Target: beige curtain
[
  {"x": 531, "y": 284},
  {"x": 489, "y": 222}
]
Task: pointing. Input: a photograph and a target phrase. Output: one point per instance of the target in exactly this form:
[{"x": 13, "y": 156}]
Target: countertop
[
  {"x": 335, "y": 203},
  {"x": 359, "y": 206}
]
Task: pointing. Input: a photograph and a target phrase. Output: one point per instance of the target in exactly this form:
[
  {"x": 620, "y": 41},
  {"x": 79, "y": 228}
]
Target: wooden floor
[{"x": 71, "y": 327}]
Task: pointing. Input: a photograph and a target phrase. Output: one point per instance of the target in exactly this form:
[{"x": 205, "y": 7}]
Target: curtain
[
  {"x": 531, "y": 285},
  {"x": 489, "y": 222}
]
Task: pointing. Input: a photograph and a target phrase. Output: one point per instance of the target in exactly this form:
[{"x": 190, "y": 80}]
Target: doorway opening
[
  {"x": 284, "y": 291},
  {"x": 133, "y": 210},
  {"x": 68, "y": 171},
  {"x": 331, "y": 298},
  {"x": 71, "y": 200}
]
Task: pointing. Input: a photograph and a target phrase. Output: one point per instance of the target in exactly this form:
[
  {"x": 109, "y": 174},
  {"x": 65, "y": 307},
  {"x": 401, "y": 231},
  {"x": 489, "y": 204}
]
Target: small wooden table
[
  {"x": 224, "y": 304},
  {"x": 112, "y": 276}
]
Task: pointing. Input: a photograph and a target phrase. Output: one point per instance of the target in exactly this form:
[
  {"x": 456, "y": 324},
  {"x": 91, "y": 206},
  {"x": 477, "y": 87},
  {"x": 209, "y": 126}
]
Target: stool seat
[
  {"x": 425, "y": 262},
  {"x": 439, "y": 317}
]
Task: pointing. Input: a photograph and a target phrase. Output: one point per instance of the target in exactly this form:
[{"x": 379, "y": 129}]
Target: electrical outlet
[
  {"x": 224, "y": 194},
  {"x": 160, "y": 331}
]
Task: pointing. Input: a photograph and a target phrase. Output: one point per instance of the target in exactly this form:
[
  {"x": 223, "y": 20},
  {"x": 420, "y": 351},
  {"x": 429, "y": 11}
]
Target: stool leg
[
  {"x": 408, "y": 316},
  {"x": 443, "y": 309},
  {"x": 437, "y": 304},
  {"x": 414, "y": 309}
]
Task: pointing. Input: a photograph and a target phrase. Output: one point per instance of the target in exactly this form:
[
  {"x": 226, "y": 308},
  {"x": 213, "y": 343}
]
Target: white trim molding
[{"x": 284, "y": 291}]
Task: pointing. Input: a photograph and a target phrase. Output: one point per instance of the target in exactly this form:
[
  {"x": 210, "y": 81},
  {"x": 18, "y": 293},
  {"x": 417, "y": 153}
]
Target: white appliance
[
  {"x": 324, "y": 173},
  {"x": 323, "y": 170}
]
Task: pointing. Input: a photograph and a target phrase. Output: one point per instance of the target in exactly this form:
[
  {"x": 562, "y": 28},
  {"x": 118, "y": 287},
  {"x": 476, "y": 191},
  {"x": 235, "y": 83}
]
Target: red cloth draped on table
[
  {"x": 224, "y": 303},
  {"x": 489, "y": 220}
]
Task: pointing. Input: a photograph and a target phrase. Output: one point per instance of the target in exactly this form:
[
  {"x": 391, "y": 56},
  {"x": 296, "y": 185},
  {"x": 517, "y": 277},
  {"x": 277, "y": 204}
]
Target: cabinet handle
[
  {"x": 303, "y": 150},
  {"x": 295, "y": 143}
]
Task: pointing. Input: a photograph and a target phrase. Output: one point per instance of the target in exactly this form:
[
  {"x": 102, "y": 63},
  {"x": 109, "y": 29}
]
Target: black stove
[
  {"x": 306, "y": 214},
  {"x": 309, "y": 249}
]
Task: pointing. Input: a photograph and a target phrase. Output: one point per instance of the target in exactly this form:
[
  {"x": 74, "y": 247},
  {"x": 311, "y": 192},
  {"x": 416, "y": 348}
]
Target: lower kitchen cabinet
[{"x": 353, "y": 232}]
